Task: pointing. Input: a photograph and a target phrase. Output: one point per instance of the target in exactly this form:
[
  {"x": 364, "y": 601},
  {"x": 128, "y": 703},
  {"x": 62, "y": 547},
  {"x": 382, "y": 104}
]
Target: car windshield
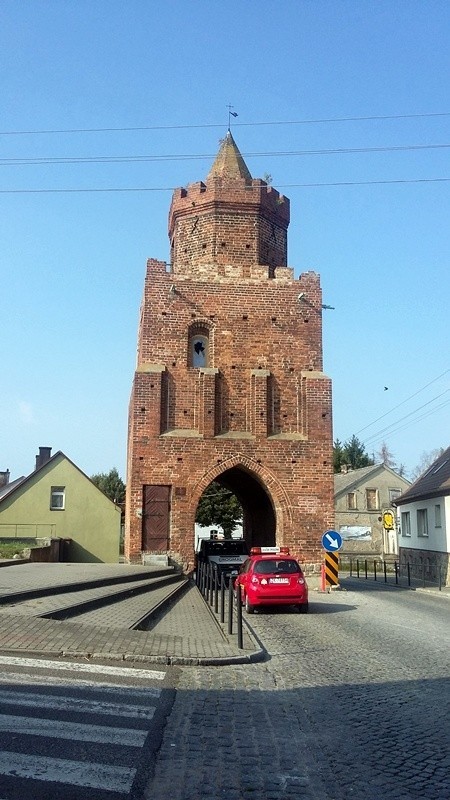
[
  {"x": 272, "y": 565},
  {"x": 226, "y": 548}
]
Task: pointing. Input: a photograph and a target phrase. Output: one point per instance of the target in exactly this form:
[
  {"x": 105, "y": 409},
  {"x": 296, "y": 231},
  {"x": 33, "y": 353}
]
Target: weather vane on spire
[{"x": 230, "y": 114}]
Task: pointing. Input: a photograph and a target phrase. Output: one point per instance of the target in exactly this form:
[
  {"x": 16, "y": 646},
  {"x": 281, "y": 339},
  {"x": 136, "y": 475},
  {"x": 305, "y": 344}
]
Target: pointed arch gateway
[{"x": 266, "y": 507}]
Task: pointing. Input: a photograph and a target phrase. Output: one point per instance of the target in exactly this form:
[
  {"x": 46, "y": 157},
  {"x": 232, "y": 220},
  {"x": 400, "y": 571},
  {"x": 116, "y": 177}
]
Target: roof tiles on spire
[{"x": 229, "y": 163}]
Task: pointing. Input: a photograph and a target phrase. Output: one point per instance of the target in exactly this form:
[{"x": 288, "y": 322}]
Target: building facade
[
  {"x": 229, "y": 383},
  {"x": 365, "y": 513},
  {"x": 58, "y": 501},
  {"x": 425, "y": 522}
]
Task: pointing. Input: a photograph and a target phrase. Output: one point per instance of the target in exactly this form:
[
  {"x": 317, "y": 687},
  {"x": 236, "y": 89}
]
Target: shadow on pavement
[
  {"x": 384, "y": 739},
  {"x": 314, "y": 608}
]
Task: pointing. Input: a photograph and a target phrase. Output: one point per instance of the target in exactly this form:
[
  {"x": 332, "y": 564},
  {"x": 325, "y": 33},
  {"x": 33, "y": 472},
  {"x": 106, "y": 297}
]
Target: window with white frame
[
  {"x": 422, "y": 522},
  {"x": 351, "y": 501},
  {"x": 57, "y": 498},
  {"x": 406, "y": 523},
  {"x": 372, "y": 499},
  {"x": 437, "y": 516},
  {"x": 393, "y": 494}
]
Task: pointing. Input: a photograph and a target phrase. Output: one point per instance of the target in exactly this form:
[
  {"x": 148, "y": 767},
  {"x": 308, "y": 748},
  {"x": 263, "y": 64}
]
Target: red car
[{"x": 271, "y": 577}]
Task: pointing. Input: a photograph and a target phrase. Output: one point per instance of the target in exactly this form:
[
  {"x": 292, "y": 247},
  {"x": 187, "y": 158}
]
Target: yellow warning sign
[
  {"x": 388, "y": 521},
  {"x": 332, "y": 569}
]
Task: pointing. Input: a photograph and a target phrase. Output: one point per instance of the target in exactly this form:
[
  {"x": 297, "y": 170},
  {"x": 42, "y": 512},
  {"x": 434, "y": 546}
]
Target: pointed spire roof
[{"x": 229, "y": 162}]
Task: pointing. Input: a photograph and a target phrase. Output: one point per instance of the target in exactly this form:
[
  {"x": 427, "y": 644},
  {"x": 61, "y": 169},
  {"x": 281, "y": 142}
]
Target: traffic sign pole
[
  {"x": 331, "y": 543},
  {"x": 332, "y": 569}
]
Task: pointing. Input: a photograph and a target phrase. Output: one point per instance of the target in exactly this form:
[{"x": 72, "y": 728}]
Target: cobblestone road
[{"x": 351, "y": 703}]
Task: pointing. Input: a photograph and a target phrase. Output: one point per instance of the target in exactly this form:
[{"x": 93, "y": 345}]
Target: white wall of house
[
  {"x": 437, "y": 513},
  {"x": 206, "y": 531}
]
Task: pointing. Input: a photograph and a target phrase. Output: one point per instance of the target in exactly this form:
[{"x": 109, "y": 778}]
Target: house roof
[
  {"x": 434, "y": 482},
  {"x": 9, "y": 487},
  {"x": 346, "y": 481},
  {"x": 229, "y": 162},
  {"x": 20, "y": 482}
]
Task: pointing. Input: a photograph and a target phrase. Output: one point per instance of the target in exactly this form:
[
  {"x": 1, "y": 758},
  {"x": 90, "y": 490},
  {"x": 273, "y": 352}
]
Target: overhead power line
[
  {"x": 410, "y": 422},
  {"x": 196, "y": 157},
  {"x": 328, "y": 120},
  {"x": 172, "y": 188},
  {"x": 403, "y": 402},
  {"x": 393, "y": 427}
]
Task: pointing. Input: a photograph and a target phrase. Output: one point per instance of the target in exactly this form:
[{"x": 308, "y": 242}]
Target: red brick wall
[
  {"x": 262, "y": 407},
  {"x": 228, "y": 223}
]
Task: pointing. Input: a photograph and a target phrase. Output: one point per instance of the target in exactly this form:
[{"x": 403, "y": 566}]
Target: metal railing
[
  {"x": 409, "y": 573},
  {"x": 27, "y": 530},
  {"x": 221, "y": 598}
]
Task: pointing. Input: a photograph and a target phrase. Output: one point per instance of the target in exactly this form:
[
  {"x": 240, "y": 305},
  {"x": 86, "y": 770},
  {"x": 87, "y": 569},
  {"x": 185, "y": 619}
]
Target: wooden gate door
[{"x": 155, "y": 518}]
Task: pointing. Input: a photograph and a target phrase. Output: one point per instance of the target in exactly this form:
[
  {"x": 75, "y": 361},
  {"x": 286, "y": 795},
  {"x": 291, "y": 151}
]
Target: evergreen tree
[
  {"x": 352, "y": 453},
  {"x": 111, "y": 484},
  {"x": 338, "y": 453}
]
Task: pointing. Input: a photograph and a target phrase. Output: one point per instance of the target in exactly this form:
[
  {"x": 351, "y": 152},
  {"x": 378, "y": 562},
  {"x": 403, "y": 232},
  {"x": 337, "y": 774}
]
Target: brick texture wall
[{"x": 257, "y": 415}]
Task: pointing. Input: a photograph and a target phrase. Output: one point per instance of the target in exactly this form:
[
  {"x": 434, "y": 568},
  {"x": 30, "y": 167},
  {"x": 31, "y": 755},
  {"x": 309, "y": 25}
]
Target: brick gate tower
[{"x": 229, "y": 384}]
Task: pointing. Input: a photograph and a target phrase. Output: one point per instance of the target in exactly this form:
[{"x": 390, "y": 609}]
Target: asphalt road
[
  {"x": 352, "y": 702},
  {"x": 77, "y": 729}
]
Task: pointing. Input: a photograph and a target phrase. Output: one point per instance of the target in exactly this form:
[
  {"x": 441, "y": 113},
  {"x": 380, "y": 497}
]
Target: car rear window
[
  {"x": 269, "y": 566},
  {"x": 226, "y": 548}
]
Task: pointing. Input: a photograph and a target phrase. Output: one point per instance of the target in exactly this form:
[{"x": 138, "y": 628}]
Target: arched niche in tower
[{"x": 199, "y": 345}]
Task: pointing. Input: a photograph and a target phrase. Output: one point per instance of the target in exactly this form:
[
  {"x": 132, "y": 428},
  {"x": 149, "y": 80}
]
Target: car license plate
[{"x": 279, "y": 580}]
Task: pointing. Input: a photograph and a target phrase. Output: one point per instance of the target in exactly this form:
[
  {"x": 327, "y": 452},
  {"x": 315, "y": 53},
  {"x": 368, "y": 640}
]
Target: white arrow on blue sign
[{"x": 332, "y": 541}]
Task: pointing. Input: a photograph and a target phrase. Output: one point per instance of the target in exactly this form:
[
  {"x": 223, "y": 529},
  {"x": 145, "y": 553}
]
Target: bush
[{"x": 12, "y": 548}]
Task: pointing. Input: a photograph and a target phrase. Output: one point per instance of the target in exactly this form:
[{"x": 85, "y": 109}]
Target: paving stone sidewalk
[{"x": 187, "y": 632}]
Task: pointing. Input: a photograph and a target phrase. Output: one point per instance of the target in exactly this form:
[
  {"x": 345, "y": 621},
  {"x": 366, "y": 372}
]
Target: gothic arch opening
[
  {"x": 199, "y": 345},
  {"x": 259, "y": 517}
]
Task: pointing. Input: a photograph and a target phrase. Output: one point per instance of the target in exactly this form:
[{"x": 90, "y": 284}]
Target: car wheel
[
  {"x": 303, "y": 608},
  {"x": 249, "y": 608}
]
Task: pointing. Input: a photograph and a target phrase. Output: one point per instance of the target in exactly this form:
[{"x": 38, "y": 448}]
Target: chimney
[
  {"x": 343, "y": 469},
  {"x": 4, "y": 478},
  {"x": 45, "y": 454}
]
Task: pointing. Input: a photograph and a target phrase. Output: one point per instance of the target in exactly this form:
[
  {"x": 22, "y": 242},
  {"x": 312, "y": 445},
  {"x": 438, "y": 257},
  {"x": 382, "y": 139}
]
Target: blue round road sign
[{"x": 332, "y": 541}]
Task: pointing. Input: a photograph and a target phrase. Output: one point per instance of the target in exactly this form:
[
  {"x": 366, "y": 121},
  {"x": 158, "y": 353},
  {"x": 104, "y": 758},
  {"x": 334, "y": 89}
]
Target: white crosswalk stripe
[
  {"x": 74, "y": 666},
  {"x": 80, "y": 736},
  {"x": 76, "y": 731},
  {"x": 26, "y": 678},
  {"x": 74, "y": 704},
  {"x": 61, "y": 770}
]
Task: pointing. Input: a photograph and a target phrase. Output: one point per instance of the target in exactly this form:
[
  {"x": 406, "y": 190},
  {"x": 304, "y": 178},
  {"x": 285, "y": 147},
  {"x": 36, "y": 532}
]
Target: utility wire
[
  {"x": 403, "y": 402},
  {"x": 387, "y": 431},
  {"x": 414, "y": 421},
  {"x": 236, "y": 124},
  {"x": 191, "y": 157},
  {"x": 172, "y": 188}
]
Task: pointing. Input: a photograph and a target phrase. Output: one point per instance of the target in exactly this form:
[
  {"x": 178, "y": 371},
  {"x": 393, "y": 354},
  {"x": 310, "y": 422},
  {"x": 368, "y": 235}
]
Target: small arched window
[{"x": 199, "y": 355}]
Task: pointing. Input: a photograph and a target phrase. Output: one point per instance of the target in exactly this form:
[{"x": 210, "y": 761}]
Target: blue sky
[{"x": 73, "y": 263}]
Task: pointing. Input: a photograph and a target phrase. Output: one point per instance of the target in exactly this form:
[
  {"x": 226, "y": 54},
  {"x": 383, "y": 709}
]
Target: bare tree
[
  {"x": 426, "y": 459},
  {"x": 386, "y": 457}
]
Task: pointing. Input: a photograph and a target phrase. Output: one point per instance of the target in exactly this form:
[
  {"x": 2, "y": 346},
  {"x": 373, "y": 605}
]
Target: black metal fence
[
  {"x": 402, "y": 573},
  {"x": 221, "y": 598}
]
